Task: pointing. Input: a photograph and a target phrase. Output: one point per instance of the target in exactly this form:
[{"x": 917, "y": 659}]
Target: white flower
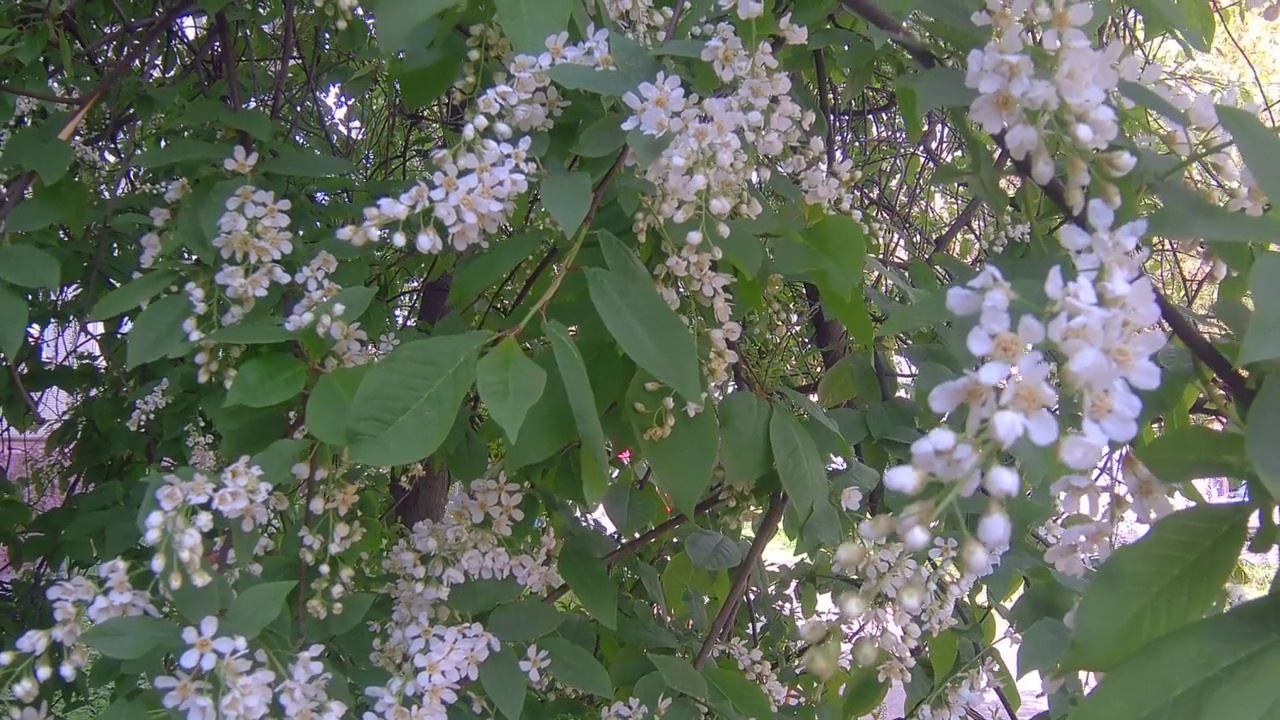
[
  {"x": 205, "y": 646},
  {"x": 995, "y": 529},
  {"x": 535, "y": 663},
  {"x": 851, "y": 499},
  {"x": 904, "y": 479},
  {"x": 240, "y": 161},
  {"x": 1002, "y": 482}
]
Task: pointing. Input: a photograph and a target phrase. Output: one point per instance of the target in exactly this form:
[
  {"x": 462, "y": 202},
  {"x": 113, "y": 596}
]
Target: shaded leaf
[
  {"x": 329, "y": 404},
  {"x": 796, "y": 456},
  {"x": 1170, "y": 577},
  {"x": 680, "y": 675},
  {"x": 29, "y": 266},
  {"x": 407, "y": 403},
  {"x": 575, "y": 667},
  {"x": 267, "y": 380},
  {"x": 509, "y": 384},
  {"x": 582, "y": 402},
  {"x": 1215, "y": 668},
  {"x": 157, "y": 330},
  {"x": 255, "y": 608},
  {"x": 300, "y": 163},
  {"x": 744, "y": 436},
  {"x": 131, "y": 295},
  {"x": 646, "y": 328},
  {"x": 129, "y": 638},
  {"x": 568, "y": 199},
  {"x": 504, "y": 682},
  {"x": 683, "y": 461},
  {"x": 14, "y": 317},
  {"x": 1262, "y": 338},
  {"x": 523, "y": 620},
  {"x": 711, "y": 550},
  {"x": 587, "y": 576}
]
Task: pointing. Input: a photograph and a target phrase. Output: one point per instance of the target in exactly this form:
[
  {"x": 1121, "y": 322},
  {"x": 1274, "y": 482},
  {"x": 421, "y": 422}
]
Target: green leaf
[
  {"x": 745, "y": 694},
  {"x": 157, "y": 330},
  {"x": 1170, "y": 577},
  {"x": 593, "y": 80},
  {"x": 250, "y": 333},
  {"x": 329, "y": 404},
  {"x": 575, "y": 667},
  {"x": 800, "y": 467},
  {"x": 1215, "y": 668},
  {"x": 408, "y": 402},
  {"x": 942, "y": 653},
  {"x": 129, "y": 638},
  {"x": 568, "y": 198},
  {"x": 131, "y": 295},
  {"x": 863, "y": 692},
  {"x": 397, "y": 23},
  {"x": 1145, "y": 97},
  {"x": 530, "y": 22},
  {"x": 938, "y": 87},
  {"x": 603, "y": 137},
  {"x": 1042, "y": 646},
  {"x": 1262, "y": 338},
  {"x": 504, "y": 682},
  {"x": 1185, "y": 215},
  {"x": 523, "y": 620},
  {"x": 1259, "y": 146},
  {"x": 14, "y": 318},
  {"x": 36, "y": 148},
  {"x": 267, "y": 380},
  {"x": 29, "y": 266},
  {"x": 123, "y": 709},
  {"x": 548, "y": 426},
  {"x": 680, "y": 675},
  {"x": 509, "y": 384},
  {"x": 1193, "y": 19},
  {"x": 744, "y": 436},
  {"x": 255, "y": 608},
  {"x": 477, "y": 596},
  {"x": 711, "y": 550},
  {"x": 1262, "y": 432},
  {"x": 646, "y": 328},
  {"x": 1193, "y": 452},
  {"x": 298, "y": 163},
  {"x": 683, "y": 461},
  {"x": 182, "y": 150},
  {"x": 582, "y": 401},
  {"x": 354, "y": 609},
  {"x": 589, "y": 580},
  {"x": 480, "y": 272}
]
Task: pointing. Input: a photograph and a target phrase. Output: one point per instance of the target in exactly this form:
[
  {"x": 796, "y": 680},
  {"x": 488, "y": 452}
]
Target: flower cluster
[
  {"x": 903, "y": 600},
  {"x": 756, "y": 669},
  {"x": 1070, "y": 106},
  {"x": 218, "y": 677},
  {"x": 1097, "y": 334},
  {"x": 998, "y": 238},
  {"x": 720, "y": 147},
  {"x": 145, "y": 409},
  {"x": 185, "y": 511},
  {"x": 472, "y": 192},
  {"x": 962, "y": 693},
  {"x": 77, "y": 603},
  {"x": 427, "y": 658}
]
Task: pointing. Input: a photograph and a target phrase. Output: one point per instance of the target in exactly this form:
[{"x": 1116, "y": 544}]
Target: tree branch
[
  {"x": 768, "y": 527},
  {"x": 634, "y": 544}
]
